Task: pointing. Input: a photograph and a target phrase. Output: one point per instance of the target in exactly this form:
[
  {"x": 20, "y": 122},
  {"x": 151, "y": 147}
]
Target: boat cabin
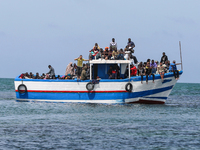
[{"x": 100, "y": 68}]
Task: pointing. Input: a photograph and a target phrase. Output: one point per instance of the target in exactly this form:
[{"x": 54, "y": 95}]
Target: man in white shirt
[{"x": 113, "y": 44}]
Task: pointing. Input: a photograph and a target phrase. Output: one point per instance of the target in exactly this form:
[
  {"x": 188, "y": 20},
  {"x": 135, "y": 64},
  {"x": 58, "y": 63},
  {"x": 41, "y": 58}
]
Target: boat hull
[{"x": 106, "y": 91}]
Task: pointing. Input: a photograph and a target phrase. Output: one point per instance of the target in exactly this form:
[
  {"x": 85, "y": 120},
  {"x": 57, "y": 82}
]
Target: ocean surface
[{"x": 29, "y": 125}]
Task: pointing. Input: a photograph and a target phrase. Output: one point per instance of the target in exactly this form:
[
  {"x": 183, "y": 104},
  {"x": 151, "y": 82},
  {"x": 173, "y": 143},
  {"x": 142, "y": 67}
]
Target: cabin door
[{"x": 95, "y": 68}]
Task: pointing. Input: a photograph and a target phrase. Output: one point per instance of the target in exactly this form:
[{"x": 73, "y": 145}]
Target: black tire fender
[
  {"x": 90, "y": 86},
  {"x": 128, "y": 87},
  {"x": 22, "y": 89}
]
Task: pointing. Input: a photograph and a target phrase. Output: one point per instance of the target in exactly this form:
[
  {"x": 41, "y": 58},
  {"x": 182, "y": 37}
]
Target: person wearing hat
[
  {"x": 164, "y": 58},
  {"x": 106, "y": 53}
]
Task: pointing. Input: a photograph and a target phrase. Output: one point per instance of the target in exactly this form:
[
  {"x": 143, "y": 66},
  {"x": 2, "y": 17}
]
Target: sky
[{"x": 36, "y": 33}]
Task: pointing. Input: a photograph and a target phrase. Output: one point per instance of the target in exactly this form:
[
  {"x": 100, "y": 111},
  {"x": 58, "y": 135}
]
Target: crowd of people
[
  {"x": 151, "y": 67},
  {"x": 112, "y": 53},
  {"x": 72, "y": 71},
  {"x": 82, "y": 71}
]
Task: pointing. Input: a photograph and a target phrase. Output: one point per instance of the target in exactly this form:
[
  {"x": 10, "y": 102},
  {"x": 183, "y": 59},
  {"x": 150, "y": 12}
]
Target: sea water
[{"x": 29, "y": 125}]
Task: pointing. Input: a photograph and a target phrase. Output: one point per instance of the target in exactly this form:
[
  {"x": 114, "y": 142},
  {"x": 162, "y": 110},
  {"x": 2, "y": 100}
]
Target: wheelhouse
[{"x": 100, "y": 68}]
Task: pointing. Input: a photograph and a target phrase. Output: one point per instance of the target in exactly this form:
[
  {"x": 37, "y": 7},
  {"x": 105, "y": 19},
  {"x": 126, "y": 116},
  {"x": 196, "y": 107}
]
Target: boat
[{"x": 125, "y": 90}]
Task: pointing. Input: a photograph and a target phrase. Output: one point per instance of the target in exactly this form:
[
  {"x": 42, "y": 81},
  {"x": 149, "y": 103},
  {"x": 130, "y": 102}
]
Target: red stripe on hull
[
  {"x": 74, "y": 91},
  {"x": 141, "y": 101}
]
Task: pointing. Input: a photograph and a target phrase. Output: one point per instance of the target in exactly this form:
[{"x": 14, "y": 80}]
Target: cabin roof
[{"x": 103, "y": 61}]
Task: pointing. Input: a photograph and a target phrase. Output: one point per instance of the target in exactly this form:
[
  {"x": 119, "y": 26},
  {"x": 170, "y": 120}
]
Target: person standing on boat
[
  {"x": 51, "y": 71},
  {"x": 80, "y": 65},
  {"x": 113, "y": 44},
  {"x": 164, "y": 58},
  {"x": 115, "y": 53}
]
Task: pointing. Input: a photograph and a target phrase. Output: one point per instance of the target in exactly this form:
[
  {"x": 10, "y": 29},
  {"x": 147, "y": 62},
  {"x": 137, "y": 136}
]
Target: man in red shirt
[{"x": 133, "y": 70}]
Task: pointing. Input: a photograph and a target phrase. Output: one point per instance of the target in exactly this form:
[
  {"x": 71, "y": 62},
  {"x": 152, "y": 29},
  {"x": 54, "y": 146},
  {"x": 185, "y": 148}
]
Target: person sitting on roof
[
  {"x": 113, "y": 44},
  {"x": 106, "y": 53},
  {"x": 51, "y": 71},
  {"x": 94, "y": 53},
  {"x": 96, "y": 46},
  {"x": 133, "y": 70},
  {"x": 128, "y": 54},
  {"x": 101, "y": 53},
  {"x": 115, "y": 53},
  {"x": 120, "y": 55}
]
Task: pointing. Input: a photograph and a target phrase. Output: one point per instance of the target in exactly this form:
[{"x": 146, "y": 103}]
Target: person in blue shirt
[
  {"x": 130, "y": 43},
  {"x": 173, "y": 68}
]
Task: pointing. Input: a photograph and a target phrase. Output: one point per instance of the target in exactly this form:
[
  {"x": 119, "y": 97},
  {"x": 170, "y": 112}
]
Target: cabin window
[{"x": 101, "y": 70}]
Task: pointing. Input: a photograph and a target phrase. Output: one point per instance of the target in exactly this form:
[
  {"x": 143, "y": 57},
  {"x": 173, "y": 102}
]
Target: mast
[{"x": 180, "y": 55}]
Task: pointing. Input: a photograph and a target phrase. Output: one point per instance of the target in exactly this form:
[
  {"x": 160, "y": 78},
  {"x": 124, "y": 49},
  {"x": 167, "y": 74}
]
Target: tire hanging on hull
[
  {"x": 22, "y": 89},
  {"x": 89, "y": 86},
  {"x": 128, "y": 87}
]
